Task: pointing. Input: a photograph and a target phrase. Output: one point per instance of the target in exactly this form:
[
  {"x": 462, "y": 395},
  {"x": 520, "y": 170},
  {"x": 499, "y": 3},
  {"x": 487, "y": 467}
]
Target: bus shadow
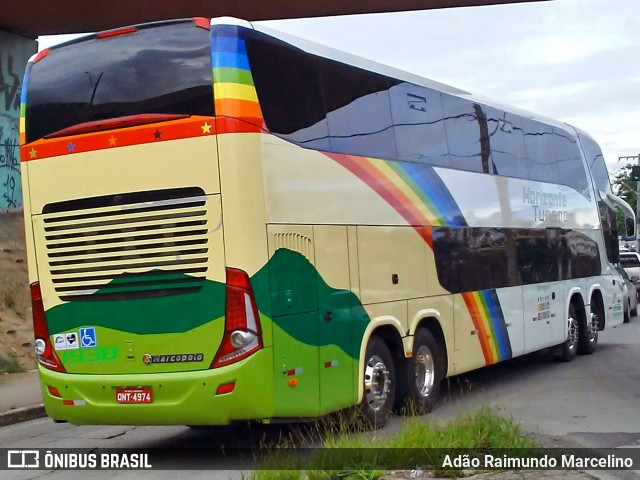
[{"x": 523, "y": 369}]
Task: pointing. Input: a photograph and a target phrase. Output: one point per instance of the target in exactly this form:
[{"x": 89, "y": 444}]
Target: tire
[
  {"x": 588, "y": 332},
  {"x": 625, "y": 315},
  {"x": 569, "y": 348},
  {"x": 634, "y": 312},
  {"x": 379, "y": 384},
  {"x": 419, "y": 381}
]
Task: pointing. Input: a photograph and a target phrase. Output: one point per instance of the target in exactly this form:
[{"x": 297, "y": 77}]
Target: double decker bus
[{"x": 226, "y": 223}]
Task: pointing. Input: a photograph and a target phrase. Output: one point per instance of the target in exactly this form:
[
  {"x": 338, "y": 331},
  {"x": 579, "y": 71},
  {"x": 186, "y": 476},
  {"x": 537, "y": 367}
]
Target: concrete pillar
[{"x": 14, "y": 53}]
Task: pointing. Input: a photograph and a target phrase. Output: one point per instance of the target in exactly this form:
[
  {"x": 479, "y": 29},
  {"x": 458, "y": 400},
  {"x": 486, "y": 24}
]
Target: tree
[{"x": 625, "y": 188}]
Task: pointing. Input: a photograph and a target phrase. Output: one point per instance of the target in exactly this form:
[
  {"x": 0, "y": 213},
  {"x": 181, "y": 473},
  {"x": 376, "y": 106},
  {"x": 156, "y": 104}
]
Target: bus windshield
[{"x": 154, "y": 69}]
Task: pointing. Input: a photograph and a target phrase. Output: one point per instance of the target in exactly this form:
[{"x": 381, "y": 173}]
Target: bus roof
[{"x": 373, "y": 66}]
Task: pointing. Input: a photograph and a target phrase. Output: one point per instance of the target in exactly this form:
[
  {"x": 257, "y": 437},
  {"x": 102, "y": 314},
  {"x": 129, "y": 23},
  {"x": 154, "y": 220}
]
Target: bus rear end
[{"x": 137, "y": 318}]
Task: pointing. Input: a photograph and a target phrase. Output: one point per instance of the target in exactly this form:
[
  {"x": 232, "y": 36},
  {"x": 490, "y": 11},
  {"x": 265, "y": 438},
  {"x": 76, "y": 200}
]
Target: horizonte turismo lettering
[{"x": 541, "y": 200}]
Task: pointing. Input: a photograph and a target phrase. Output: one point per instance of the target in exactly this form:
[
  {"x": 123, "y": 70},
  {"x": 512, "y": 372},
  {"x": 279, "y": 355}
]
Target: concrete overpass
[
  {"x": 45, "y": 17},
  {"x": 22, "y": 22}
]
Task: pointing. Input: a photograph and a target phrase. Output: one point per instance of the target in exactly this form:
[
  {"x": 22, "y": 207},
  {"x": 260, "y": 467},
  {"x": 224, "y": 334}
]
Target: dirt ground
[{"x": 16, "y": 329}]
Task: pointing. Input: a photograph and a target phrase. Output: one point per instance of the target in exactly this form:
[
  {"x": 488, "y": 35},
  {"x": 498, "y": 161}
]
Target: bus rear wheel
[
  {"x": 379, "y": 384},
  {"x": 423, "y": 374},
  {"x": 588, "y": 333},
  {"x": 569, "y": 348},
  {"x": 626, "y": 316}
]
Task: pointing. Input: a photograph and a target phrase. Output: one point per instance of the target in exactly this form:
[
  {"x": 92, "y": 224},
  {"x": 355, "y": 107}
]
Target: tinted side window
[
  {"x": 418, "y": 124},
  {"x": 358, "y": 110},
  {"x": 609, "y": 231},
  {"x": 470, "y": 259},
  {"x": 467, "y": 135},
  {"x": 596, "y": 163},
  {"x": 538, "y": 142},
  {"x": 570, "y": 167},
  {"x": 287, "y": 82},
  {"x": 507, "y": 143}
]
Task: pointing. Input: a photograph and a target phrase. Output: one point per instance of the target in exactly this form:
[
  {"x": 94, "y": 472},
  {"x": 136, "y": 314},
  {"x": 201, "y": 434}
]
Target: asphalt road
[{"x": 592, "y": 402}]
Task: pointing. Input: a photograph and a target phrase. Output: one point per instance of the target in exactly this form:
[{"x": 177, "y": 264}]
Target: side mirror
[
  {"x": 629, "y": 214},
  {"x": 630, "y": 226}
]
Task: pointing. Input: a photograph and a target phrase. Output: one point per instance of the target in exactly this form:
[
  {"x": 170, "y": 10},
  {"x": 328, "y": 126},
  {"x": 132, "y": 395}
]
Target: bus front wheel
[{"x": 379, "y": 384}]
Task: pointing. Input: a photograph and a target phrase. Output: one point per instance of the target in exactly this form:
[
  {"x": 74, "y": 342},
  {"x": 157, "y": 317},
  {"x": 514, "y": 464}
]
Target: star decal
[
  {"x": 33, "y": 153},
  {"x": 71, "y": 147},
  {"x": 112, "y": 141},
  {"x": 157, "y": 135},
  {"x": 206, "y": 128}
]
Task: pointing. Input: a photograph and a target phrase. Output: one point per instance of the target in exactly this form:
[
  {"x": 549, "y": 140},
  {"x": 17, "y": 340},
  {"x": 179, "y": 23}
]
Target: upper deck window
[
  {"x": 596, "y": 163},
  {"x": 158, "y": 68}
]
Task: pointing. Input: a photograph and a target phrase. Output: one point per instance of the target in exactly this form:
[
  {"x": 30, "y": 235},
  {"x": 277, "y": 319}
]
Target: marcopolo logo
[{"x": 148, "y": 359}]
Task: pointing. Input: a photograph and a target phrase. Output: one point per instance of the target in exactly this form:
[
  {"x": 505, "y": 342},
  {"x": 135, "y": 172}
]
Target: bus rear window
[{"x": 156, "y": 69}]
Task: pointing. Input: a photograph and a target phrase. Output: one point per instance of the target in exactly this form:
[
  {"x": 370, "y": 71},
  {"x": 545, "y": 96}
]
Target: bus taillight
[
  {"x": 202, "y": 22},
  {"x": 114, "y": 33},
  {"x": 44, "y": 350},
  {"x": 242, "y": 333}
]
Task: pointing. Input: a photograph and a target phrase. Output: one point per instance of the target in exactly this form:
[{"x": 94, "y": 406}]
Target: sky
[{"x": 573, "y": 60}]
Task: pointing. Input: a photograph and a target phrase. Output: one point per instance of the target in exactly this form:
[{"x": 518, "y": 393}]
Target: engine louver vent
[{"x": 135, "y": 245}]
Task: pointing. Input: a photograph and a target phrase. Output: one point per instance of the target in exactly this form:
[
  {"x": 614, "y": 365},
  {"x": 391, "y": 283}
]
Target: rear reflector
[
  {"x": 53, "y": 391},
  {"x": 226, "y": 388}
]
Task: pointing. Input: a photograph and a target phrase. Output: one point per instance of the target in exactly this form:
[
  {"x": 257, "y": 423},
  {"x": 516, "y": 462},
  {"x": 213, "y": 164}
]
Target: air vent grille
[{"x": 128, "y": 246}]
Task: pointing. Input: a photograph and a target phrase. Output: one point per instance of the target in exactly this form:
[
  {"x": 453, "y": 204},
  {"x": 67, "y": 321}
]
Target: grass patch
[
  {"x": 10, "y": 365},
  {"x": 361, "y": 455},
  {"x": 14, "y": 294}
]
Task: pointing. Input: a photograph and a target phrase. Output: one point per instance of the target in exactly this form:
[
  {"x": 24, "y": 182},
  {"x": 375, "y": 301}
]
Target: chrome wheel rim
[
  {"x": 425, "y": 371},
  {"x": 593, "y": 328},
  {"x": 572, "y": 334},
  {"x": 377, "y": 381}
]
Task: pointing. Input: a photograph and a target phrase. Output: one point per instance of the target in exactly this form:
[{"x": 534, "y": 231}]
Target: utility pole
[{"x": 637, "y": 159}]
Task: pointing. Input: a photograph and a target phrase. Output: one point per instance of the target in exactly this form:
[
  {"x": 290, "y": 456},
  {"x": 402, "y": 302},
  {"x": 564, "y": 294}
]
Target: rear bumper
[{"x": 184, "y": 398}]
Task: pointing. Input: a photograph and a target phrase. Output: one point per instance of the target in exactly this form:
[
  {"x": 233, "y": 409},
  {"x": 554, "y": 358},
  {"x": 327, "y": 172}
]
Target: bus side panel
[
  {"x": 511, "y": 305},
  {"x": 335, "y": 317},
  {"x": 483, "y": 329},
  {"x": 294, "y": 306},
  {"x": 544, "y": 316},
  {"x": 317, "y": 332},
  {"x": 392, "y": 264}
]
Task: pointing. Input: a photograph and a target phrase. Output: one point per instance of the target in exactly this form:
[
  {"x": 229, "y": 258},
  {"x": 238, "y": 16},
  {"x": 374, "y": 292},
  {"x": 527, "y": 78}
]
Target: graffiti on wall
[
  {"x": 14, "y": 52},
  {"x": 9, "y": 169},
  {"x": 9, "y": 83}
]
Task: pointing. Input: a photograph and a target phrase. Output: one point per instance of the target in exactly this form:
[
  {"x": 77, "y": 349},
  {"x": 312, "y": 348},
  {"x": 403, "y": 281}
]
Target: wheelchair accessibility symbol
[{"x": 88, "y": 337}]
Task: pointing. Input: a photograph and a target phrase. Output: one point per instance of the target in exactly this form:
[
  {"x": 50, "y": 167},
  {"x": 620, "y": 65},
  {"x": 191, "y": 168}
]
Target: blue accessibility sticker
[{"x": 88, "y": 337}]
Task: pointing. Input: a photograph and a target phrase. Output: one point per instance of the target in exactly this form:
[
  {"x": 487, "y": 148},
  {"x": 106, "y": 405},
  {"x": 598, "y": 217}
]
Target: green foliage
[
  {"x": 10, "y": 365},
  {"x": 357, "y": 450},
  {"x": 624, "y": 187},
  {"x": 14, "y": 294}
]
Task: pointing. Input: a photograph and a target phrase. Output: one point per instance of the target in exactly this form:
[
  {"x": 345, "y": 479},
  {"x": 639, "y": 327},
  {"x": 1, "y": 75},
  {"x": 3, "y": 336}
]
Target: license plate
[{"x": 134, "y": 395}]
